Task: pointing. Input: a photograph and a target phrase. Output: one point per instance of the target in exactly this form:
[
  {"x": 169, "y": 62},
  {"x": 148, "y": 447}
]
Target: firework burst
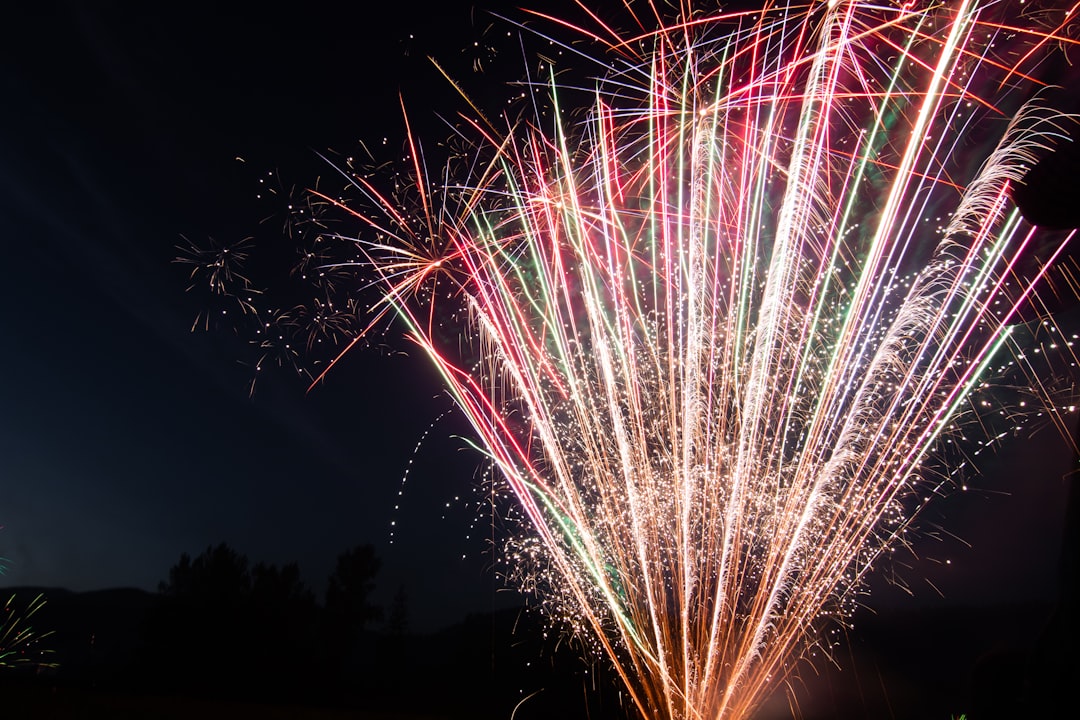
[
  {"x": 21, "y": 645},
  {"x": 713, "y": 336}
]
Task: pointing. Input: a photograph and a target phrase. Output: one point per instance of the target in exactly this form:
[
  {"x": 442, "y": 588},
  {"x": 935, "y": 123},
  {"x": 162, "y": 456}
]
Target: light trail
[{"x": 715, "y": 334}]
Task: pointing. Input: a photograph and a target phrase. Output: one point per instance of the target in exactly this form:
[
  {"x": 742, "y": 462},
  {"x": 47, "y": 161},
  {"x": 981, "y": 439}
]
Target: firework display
[
  {"x": 725, "y": 336},
  {"x": 20, "y": 643}
]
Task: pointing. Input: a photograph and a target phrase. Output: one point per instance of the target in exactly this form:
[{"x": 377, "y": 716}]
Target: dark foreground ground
[
  {"x": 52, "y": 703},
  {"x": 933, "y": 664}
]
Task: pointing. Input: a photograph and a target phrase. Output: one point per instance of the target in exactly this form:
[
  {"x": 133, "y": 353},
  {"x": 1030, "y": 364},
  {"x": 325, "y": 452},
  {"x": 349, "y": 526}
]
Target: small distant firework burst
[
  {"x": 216, "y": 273},
  {"x": 20, "y": 645},
  {"x": 723, "y": 338},
  {"x": 297, "y": 326}
]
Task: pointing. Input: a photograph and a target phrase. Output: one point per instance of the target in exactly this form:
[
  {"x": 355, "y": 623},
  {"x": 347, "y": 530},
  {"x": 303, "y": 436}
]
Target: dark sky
[{"x": 126, "y": 440}]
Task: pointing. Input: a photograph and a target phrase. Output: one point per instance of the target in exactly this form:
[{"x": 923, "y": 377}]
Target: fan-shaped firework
[{"x": 712, "y": 336}]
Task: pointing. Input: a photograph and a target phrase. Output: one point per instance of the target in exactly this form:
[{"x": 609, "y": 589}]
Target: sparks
[{"x": 716, "y": 334}]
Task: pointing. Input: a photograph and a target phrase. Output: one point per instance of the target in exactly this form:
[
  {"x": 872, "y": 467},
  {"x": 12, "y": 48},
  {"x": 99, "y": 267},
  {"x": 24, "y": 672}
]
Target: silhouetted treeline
[
  {"x": 222, "y": 629},
  {"x": 113, "y": 658}
]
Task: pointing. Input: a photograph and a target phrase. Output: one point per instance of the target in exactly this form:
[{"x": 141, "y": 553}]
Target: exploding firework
[
  {"x": 297, "y": 325},
  {"x": 725, "y": 336},
  {"x": 20, "y": 644}
]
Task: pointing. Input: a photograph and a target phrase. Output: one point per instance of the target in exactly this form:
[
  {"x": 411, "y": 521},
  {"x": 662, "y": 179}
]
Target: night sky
[{"x": 126, "y": 439}]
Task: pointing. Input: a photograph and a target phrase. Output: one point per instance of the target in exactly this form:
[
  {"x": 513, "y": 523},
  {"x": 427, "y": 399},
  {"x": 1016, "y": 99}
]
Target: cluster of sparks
[
  {"x": 20, "y": 644},
  {"x": 716, "y": 337},
  {"x": 285, "y": 330}
]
